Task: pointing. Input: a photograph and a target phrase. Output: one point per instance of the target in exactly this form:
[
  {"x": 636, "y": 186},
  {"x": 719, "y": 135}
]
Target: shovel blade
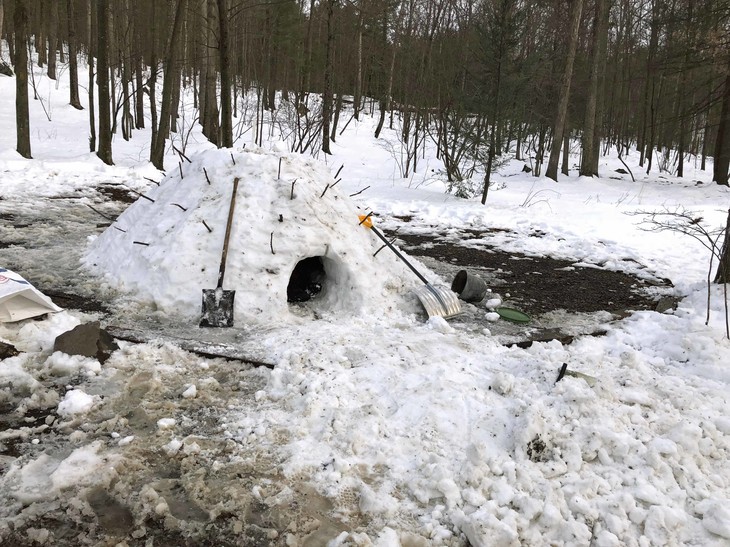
[
  {"x": 438, "y": 301},
  {"x": 217, "y": 308}
]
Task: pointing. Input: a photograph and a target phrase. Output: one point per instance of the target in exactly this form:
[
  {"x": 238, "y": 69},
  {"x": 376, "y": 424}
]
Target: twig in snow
[
  {"x": 206, "y": 225},
  {"x": 179, "y": 152},
  {"x": 140, "y": 194},
  {"x": 291, "y": 196},
  {"x": 562, "y": 372},
  {"x": 348, "y": 123},
  {"x": 271, "y": 243},
  {"x": 100, "y": 213},
  {"x": 278, "y": 175},
  {"x": 360, "y": 192},
  {"x": 338, "y": 171},
  {"x": 381, "y": 248},
  {"x": 181, "y": 171},
  {"x": 336, "y": 183},
  {"x": 233, "y": 159},
  {"x": 324, "y": 192},
  {"x": 206, "y": 175},
  {"x": 178, "y": 205},
  {"x": 622, "y": 161},
  {"x": 151, "y": 180},
  {"x": 118, "y": 228},
  {"x": 141, "y": 243}
]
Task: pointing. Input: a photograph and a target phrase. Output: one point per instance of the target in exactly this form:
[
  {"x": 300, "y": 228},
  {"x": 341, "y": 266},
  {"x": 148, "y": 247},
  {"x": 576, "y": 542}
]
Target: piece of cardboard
[{"x": 20, "y": 300}]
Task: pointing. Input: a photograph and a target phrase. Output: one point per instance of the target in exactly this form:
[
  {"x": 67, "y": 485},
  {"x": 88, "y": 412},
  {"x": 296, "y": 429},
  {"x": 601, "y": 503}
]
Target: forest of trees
[{"x": 478, "y": 77}]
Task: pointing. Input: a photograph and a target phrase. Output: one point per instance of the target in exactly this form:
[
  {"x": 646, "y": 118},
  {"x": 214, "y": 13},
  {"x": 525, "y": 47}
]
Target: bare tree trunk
[
  {"x": 73, "y": 69},
  {"x": 226, "y": 121},
  {"x": 52, "y": 39},
  {"x": 722, "y": 141},
  {"x": 102, "y": 82},
  {"x": 126, "y": 48},
  {"x": 209, "y": 100},
  {"x": 22, "y": 119},
  {"x": 328, "y": 70},
  {"x": 723, "y": 269},
  {"x": 385, "y": 102},
  {"x": 40, "y": 40},
  {"x": 2, "y": 18},
  {"x": 171, "y": 72},
  {"x": 560, "y": 118},
  {"x": 336, "y": 120},
  {"x": 358, "y": 77},
  {"x": 589, "y": 154},
  {"x": 92, "y": 106},
  {"x": 307, "y": 76}
]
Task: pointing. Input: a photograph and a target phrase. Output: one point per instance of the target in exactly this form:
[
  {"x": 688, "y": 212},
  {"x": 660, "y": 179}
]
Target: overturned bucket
[{"x": 469, "y": 287}]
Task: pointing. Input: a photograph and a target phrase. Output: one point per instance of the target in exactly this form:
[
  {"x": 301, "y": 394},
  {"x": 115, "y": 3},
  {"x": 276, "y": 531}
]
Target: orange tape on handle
[{"x": 366, "y": 220}]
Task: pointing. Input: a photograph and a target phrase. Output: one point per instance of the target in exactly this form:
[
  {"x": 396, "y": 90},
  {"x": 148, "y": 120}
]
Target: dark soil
[
  {"x": 539, "y": 284},
  {"x": 74, "y": 301},
  {"x": 117, "y": 192}
]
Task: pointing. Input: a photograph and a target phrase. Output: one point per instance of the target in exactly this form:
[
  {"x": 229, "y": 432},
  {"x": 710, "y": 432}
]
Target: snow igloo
[{"x": 295, "y": 238}]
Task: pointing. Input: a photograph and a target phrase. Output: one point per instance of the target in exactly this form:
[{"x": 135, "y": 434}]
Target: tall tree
[
  {"x": 90, "y": 59},
  {"x": 22, "y": 121},
  {"x": 328, "y": 76},
  {"x": 52, "y": 38},
  {"x": 357, "y": 96},
  {"x": 224, "y": 61},
  {"x": 561, "y": 116},
  {"x": 723, "y": 268},
  {"x": 2, "y": 17},
  {"x": 102, "y": 81},
  {"x": 209, "y": 109},
  {"x": 73, "y": 71},
  {"x": 722, "y": 141},
  {"x": 499, "y": 39},
  {"x": 589, "y": 153},
  {"x": 172, "y": 71}
]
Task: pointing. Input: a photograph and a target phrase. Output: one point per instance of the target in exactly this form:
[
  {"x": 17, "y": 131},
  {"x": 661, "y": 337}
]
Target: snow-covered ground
[{"x": 374, "y": 427}]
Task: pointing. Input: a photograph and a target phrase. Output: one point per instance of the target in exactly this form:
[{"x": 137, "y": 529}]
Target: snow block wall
[{"x": 166, "y": 251}]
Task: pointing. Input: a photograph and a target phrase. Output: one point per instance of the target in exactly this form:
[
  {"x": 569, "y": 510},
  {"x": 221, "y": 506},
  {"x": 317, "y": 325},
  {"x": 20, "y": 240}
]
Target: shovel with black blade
[{"x": 217, "y": 303}]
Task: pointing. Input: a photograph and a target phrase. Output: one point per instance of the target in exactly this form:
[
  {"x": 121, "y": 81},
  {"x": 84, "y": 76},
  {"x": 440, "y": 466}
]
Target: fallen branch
[{"x": 360, "y": 192}]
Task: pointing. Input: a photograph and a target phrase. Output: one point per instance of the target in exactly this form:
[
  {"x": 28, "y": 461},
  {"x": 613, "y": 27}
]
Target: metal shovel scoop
[
  {"x": 437, "y": 301},
  {"x": 217, "y": 303}
]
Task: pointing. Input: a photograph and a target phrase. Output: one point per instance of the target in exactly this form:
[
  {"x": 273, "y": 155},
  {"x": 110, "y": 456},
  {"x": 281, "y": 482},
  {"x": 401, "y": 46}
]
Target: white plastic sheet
[{"x": 20, "y": 300}]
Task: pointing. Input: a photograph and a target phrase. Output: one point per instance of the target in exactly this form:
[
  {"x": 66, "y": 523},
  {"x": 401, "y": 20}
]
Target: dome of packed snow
[{"x": 295, "y": 237}]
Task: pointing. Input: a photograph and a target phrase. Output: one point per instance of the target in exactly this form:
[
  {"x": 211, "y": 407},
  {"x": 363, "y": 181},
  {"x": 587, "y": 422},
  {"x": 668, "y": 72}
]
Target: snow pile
[
  {"x": 75, "y": 402},
  {"x": 167, "y": 247},
  {"x": 47, "y": 476}
]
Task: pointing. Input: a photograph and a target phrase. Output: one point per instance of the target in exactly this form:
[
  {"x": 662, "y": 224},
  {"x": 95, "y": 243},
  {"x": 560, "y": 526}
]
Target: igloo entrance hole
[{"x": 306, "y": 280}]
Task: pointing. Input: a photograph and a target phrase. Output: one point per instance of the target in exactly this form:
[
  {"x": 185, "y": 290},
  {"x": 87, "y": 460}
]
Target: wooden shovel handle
[{"x": 227, "y": 237}]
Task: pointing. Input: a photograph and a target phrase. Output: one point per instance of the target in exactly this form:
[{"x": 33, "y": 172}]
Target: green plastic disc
[{"x": 511, "y": 314}]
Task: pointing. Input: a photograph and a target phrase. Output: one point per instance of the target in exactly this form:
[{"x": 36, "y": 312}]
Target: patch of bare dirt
[{"x": 539, "y": 284}]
